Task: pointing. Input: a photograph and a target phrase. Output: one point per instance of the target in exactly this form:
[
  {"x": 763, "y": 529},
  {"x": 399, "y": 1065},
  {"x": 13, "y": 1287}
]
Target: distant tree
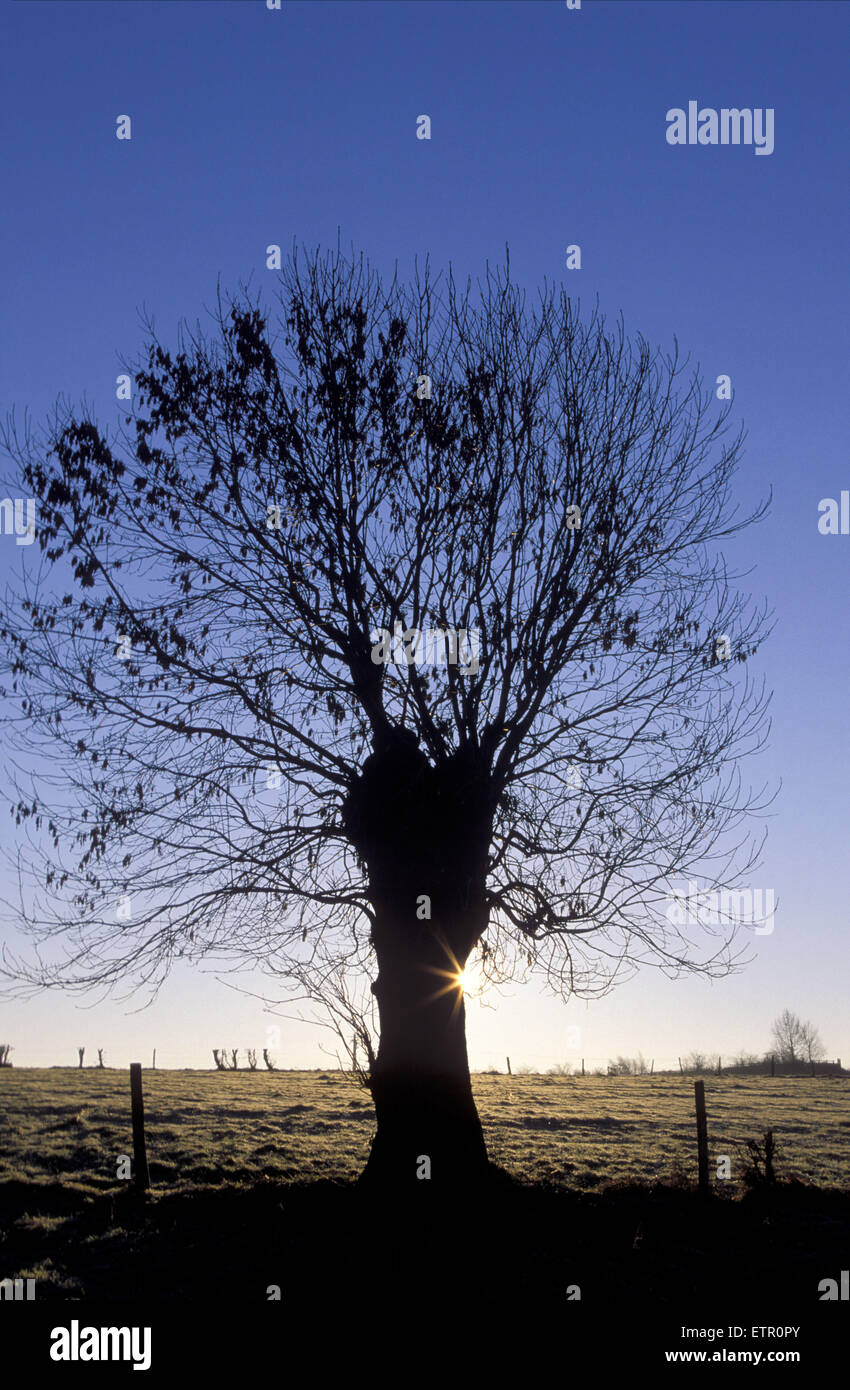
[
  {"x": 100, "y": 1056},
  {"x": 81, "y": 1052},
  {"x": 796, "y": 1040},
  {"x": 696, "y": 1061},
  {"x": 813, "y": 1048},
  {"x": 560, "y": 1069},
  {"x": 252, "y": 1059},
  {"x": 787, "y": 1037},
  {"x": 234, "y": 1056},
  {"x": 267, "y": 1059},
  {"x": 745, "y": 1059},
  {"x": 5, "y": 1049},
  {"x": 220, "y": 1059}
]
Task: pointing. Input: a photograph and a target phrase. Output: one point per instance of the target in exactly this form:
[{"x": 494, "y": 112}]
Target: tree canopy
[{"x": 191, "y": 684}]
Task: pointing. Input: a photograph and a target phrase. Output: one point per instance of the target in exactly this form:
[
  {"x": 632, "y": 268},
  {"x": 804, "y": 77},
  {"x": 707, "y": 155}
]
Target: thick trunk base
[{"x": 429, "y": 1134}]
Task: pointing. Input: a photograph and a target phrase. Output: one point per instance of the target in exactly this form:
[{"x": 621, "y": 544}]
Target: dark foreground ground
[
  {"x": 430, "y": 1290},
  {"x": 655, "y": 1246}
]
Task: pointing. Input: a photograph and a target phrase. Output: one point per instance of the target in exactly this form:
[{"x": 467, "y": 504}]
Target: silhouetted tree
[
  {"x": 795, "y": 1040},
  {"x": 813, "y": 1048},
  {"x": 220, "y": 1059},
  {"x": 81, "y": 1052},
  {"x": 267, "y": 1059},
  {"x": 204, "y": 649}
]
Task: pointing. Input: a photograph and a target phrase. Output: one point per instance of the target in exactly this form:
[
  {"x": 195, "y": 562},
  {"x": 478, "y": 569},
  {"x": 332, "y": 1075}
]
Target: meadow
[
  {"x": 255, "y": 1170},
  {"x": 576, "y": 1132}
]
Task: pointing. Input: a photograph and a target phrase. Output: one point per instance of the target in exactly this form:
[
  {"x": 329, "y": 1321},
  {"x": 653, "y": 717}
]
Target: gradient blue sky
[{"x": 548, "y": 128}]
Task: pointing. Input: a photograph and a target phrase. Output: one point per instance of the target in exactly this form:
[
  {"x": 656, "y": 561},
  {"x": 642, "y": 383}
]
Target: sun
[
  {"x": 469, "y": 980},
  {"x": 462, "y": 982}
]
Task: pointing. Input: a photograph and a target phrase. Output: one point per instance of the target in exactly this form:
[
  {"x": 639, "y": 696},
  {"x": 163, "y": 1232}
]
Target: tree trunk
[
  {"x": 423, "y": 833},
  {"x": 428, "y": 1126}
]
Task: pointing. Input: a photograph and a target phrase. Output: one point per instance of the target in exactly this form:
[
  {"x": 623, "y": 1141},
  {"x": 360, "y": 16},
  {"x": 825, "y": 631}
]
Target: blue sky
[{"x": 252, "y": 127}]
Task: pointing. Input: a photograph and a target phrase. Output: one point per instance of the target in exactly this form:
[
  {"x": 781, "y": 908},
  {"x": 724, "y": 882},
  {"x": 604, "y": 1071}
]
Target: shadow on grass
[{"x": 652, "y": 1247}]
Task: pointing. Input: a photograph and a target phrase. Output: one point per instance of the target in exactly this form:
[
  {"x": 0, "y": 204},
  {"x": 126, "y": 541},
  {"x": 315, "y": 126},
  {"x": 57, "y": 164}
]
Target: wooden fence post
[
  {"x": 773, "y": 1064},
  {"x": 719, "y": 1068},
  {"x": 582, "y": 1066},
  {"x": 508, "y": 1060},
  {"x": 652, "y": 1068},
  {"x": 154, "y": 1060},
  {"x": 140, "y": 1156},
  {"x": 680, "y": 1064},
  {"x": 702, "y": 1137}
]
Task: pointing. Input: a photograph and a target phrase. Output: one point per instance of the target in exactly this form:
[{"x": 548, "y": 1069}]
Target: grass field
[
  {"x": 255, "y": 1170},
  {"x": 578, "y": 1132}
]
